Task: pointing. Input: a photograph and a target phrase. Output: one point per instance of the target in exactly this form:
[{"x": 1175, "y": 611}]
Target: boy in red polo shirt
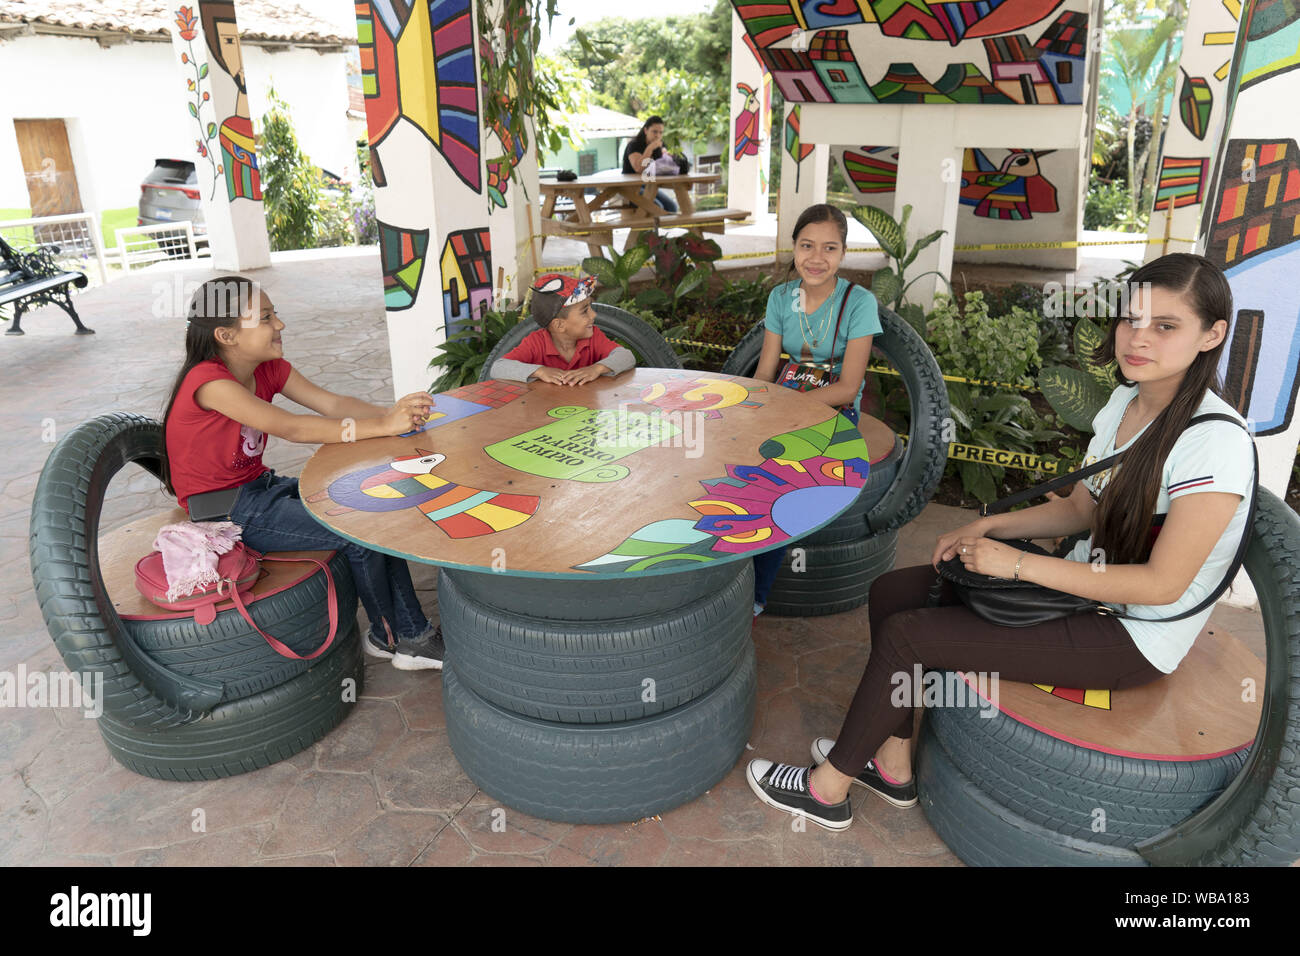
[{"x": 568, "y": 349}]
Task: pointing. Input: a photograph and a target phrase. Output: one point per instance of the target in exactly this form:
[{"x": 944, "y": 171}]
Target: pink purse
[{"x": 239, "y": 569}]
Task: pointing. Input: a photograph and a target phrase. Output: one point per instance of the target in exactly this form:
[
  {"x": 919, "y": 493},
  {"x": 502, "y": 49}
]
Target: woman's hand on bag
[
  {"x": 986, "y": 556},
  {"x": 946, "y": 547}
]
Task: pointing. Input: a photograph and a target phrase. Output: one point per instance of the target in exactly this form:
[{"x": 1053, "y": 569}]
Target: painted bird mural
[
  {"x": 747, "y": 123},
  {"x": 1015, "y": 189},
  {"x": 408, "y": 482}
]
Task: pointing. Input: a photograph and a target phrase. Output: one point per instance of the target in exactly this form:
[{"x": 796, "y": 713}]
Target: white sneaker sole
[
  {"x": 759, "y": 792},
  {"x": 372, "y": 651},
  {"x": 405, "y": 663},
  {"x": 819, "y": 758}
]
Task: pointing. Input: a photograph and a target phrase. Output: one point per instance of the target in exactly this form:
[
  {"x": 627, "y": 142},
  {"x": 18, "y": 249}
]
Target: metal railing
[
  {"x": 72, "y": 238},
  {"x": 145, "y": 245}
]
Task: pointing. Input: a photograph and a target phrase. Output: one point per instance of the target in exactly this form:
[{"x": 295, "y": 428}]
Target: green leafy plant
[
  {"x": 671, "y": 304},
  {"x": 616, "y": 272},
  {"x": 888, "y": 284},
  {"x": 290, "y": 183},
  {"x": 464, "y": 353},
  {"x": 992, "y": 419},
  {"x": 1077, "y": 394},
  {"x": 747, "y": 297},
  {"x": 683, "y": 266},
  {"x": 971, "y": 344}
]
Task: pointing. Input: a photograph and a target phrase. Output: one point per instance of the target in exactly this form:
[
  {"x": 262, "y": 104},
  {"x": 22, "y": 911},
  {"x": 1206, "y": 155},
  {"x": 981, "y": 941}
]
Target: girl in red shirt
[{"x": 217, "y": 420}]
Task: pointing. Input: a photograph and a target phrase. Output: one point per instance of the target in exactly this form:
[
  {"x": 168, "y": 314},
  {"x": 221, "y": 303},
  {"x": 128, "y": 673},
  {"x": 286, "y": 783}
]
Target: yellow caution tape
[{"x": 1022, "y": 460}]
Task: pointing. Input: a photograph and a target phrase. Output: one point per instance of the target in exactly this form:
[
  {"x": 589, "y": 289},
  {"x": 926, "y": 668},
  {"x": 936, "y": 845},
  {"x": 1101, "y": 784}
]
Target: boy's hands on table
[{"x": 577, "y": 376}]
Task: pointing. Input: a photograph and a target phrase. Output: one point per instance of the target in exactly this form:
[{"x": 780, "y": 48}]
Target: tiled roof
[{"x": 259, "y": 20}]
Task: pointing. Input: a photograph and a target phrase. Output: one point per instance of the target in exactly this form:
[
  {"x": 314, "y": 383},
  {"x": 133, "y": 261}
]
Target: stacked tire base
[{"x": 586, "y": 721}]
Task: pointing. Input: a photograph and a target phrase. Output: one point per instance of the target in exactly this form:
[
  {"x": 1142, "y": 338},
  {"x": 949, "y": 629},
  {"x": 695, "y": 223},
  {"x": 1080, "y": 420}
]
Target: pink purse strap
[{"x": 331, "y": 602}]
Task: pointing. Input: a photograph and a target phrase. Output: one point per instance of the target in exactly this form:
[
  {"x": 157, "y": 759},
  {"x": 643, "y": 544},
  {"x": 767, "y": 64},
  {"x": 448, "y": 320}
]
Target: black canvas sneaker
[
  {"x": 899, "y": 794},
  {"x": 786, "y": 788},
  {"x": 422, "y": 653}
]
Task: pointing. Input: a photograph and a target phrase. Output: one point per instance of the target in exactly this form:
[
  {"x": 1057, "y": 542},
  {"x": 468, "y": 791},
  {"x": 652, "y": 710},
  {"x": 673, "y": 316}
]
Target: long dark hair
[
  {"x": 639, "y": 140},
  {"x": 217, "y": 304},
  {"x": 1122, "y": 523}
]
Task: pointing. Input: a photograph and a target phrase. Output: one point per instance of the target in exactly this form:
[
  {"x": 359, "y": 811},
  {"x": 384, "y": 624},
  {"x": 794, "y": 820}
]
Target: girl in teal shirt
[{"x": 810, "y": 319}]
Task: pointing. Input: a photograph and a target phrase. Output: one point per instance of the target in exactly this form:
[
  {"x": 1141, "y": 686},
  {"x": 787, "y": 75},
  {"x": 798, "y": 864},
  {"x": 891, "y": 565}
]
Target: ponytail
[{"x": 217, "y": 304}]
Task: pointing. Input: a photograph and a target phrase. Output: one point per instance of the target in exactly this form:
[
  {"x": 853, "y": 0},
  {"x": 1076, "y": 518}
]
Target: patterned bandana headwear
[{"x": 555, "y": 291}]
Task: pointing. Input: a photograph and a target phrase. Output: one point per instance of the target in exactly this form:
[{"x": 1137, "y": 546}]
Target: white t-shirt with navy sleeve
[
  {"x": 861, "y": 318},
  {"x": 1210, "y": 456}
]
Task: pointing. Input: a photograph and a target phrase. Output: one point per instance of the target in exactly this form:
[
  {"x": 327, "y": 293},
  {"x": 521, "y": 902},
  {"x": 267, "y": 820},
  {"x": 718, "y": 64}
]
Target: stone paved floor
[{"x": 384, "y": 788}]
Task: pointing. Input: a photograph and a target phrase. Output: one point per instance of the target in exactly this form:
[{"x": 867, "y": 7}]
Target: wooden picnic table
[{"x": 626, "y": 201}]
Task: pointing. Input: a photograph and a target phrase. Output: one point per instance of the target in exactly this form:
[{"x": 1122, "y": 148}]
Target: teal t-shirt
[{"x": 861, "y": 318}]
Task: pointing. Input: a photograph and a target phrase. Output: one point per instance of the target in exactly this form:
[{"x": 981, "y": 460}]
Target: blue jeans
[
  {"x": 273, "y": 518},
  {"x": 667, "y": 200},
  {"x": 768, "y": 564}
]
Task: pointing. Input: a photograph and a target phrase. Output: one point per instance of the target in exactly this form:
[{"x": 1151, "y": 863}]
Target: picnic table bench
[{"x": 29, "y": 279}]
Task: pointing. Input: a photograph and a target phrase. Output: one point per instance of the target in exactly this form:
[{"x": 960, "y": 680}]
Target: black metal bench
[{"x": 30, "y": 279}]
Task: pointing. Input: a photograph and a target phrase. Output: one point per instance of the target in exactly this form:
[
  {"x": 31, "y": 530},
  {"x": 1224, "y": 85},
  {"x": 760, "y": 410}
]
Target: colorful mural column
[
  {"x": 804, "y": 169},
  {"x": 419, "y": 65},
  {"x": 205, "y": 39},
  {"x": 1195, "y": 125},
  {"x": 1252, "y": 230},
  {"x": 983, "y": 106},
  {"x": 749, "y": 155}
]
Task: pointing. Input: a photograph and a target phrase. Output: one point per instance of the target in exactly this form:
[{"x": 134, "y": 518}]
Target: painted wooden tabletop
[{"x": 653, "y": 471}]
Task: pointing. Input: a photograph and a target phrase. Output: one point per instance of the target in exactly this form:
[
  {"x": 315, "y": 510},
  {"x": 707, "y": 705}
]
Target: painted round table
[{"x": 596, "y": 584}]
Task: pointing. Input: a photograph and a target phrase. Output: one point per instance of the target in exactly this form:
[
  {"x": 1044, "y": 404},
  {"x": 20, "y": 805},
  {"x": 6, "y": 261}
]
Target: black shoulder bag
[{"x": 1023, "y": 604}]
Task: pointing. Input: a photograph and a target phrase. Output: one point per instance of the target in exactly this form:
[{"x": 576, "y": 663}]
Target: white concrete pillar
[
  {"x": 206, "y": 43},
  {"x": 804, "y": 169},
  {"x": 749, "y": 147},
  {"x": 428, "y": 148},
  {"x": 929, "y": 179}
]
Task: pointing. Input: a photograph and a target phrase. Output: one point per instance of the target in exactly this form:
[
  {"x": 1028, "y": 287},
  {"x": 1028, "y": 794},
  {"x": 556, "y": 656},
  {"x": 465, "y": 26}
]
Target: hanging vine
[{"x": 513, "y": 90}]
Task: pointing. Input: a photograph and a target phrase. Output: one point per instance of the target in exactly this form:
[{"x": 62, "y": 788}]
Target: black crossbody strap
[
  {"x": 838, "y": 319},
  {"x": 1010, "y": 501}
]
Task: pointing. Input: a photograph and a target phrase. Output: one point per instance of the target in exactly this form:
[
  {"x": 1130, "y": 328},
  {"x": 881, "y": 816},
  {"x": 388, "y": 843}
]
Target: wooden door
[{"x": 47, "y": 161}]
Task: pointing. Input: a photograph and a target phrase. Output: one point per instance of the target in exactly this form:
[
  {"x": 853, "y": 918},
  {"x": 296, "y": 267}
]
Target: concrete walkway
[{"x": 384, "y": 788}]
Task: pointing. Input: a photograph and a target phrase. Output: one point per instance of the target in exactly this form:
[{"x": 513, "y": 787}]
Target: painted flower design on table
[{"x": 806, "y": 476}]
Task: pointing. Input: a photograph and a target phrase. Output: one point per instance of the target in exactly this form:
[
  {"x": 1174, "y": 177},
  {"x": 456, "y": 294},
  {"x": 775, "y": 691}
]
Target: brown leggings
[{"x": 1084, "y": 650}]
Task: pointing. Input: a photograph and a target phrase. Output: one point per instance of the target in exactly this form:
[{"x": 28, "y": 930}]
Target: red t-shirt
[
  {"x": 206, "y": 451},
  {"x": 538, "y": 349}
]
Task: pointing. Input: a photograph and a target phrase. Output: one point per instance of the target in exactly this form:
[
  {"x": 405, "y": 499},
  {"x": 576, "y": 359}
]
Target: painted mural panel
[
  {"x": 466, "y": 278},
  {"x": 1195, "y": 125},
  {"x": 990, "y": 51},
  {"x": 1252, "y": 230},
  {"x": 402, "y": 44}
]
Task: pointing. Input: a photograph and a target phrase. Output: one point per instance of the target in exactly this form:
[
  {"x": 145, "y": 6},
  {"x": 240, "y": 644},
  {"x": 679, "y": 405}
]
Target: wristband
[{"x": 1020, "y": 558}]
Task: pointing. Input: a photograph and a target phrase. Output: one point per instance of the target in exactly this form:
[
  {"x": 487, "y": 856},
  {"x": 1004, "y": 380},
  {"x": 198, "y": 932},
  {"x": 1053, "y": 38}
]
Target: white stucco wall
[{"x": 124, "y": 106}]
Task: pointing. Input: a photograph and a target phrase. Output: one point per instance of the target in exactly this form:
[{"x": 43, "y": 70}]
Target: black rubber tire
[
  {"x": 982, "y": 832},
  {"x": 251, "y": 733},
  {"x": 624, "y": 327},
  {"x": 576, "y": 672},
  {"x": 1256, "y": 820},
  {"x": 64, "y": 555},
  {"x": 1060, "y": 786},
  {"x": 836, "y": 577},
  {"x": 230, "y": 651},
  {"x": 581, "y": 598},
  {"x": 927, "y": 452},
  {"x": 601, "y": 774},
  {"x": 852, "y": 524}
]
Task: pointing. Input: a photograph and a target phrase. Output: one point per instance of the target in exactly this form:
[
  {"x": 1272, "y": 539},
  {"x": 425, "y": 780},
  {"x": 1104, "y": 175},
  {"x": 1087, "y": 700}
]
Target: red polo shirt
[{"x": 539, "y": 349}]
